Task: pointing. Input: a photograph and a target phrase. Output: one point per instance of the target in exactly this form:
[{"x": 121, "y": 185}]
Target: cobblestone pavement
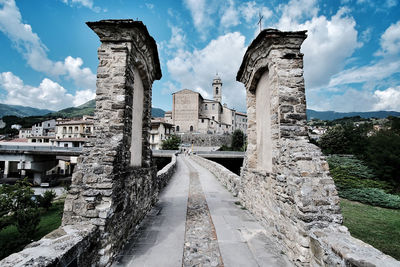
[
  {"x": 197, "y": 222},
  {"x": 201, "y": 244}
]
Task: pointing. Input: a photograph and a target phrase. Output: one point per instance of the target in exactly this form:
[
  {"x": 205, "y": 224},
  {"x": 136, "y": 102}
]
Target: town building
[
  {"x": 160, "y": 131},
  {"x": 44, "y": 128},
  {"x": 191, "y": 113},
  {"x": 73, "y": 133},
  {"x": 24, "y": 133}
]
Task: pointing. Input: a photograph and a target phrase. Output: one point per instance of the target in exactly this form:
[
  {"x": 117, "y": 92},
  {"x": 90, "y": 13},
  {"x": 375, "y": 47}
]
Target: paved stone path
[{"x": 197, "y": 223}]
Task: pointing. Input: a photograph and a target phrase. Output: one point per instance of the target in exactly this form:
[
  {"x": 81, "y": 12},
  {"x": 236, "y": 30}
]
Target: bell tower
[{"x": 217, "y": 88}]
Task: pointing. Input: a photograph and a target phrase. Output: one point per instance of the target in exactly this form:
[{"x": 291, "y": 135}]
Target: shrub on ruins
[
  {"x": 172, "y": 143},
  {"x": 238, "y": 140}
]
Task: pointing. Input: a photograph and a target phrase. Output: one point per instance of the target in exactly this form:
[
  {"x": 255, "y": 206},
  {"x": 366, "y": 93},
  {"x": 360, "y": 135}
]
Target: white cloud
[
  {"x": 195, "y": 70},
  {"x": 249, "y": 11},
  {"x": 85, "y": 3},
  {"x": 34, "y": 51},
  {"x": 149, "y": 5},
  {"x": 366, "y": 35},
  {"x": 390, "y": 41},
  {"x": 83, "y": 96},
  {"x": 329, "y": 44},
  {"x": 200, "y": 12},
  {"x": 388, "y": 99},
  {"x": 230, "y": 16},
  {"x": 378, "y": 71},
  {"x": 178, "y": 38},
  {"x": 357, "y": 100},
  {"x": 48, "y": 95},
  {"x": 296, "y": 11}
]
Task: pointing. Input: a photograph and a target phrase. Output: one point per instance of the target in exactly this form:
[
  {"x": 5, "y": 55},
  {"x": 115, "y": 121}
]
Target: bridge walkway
[{"x": 197, "y": 222}]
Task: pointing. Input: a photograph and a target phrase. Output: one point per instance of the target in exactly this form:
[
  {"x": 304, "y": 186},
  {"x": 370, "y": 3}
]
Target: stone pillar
[
  {"x": 113, "y": 184},
  {"x": 285, "y": 180},
  {"x": 6, "y": 168}
]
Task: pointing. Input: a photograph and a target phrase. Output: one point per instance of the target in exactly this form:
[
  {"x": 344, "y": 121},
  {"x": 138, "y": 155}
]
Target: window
[
  {"x": 213, "y": 117},
  {"x": 191, "y": 128},
  {"x": 202, "y": 120},
  {"x": 65, "y": 145},
  {"x": 152, "y": 137},
  {"x": 212, "y": 123},
  {"x": 216, "y": 91},
  {"x": 64, "y": 130},
  {"x": 177, "y": 128},
  {"x": 206, "y": 107},
  {"x": 233, "y": 114},
  {"x": 213, "y": 106}
]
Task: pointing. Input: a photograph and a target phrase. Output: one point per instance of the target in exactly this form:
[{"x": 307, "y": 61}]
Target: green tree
[
  {"x": 238, "y": 140},
  {"x": 383, "y": 155},
  {"x": 172, "y": 143},
  {"x": 46, "y": 200},
  {"x": 334, "y": 141},
  {"x": 19, "y": 200}
]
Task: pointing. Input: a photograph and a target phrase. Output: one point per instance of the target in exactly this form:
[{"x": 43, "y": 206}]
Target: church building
[{"x": 191, "y": 113}]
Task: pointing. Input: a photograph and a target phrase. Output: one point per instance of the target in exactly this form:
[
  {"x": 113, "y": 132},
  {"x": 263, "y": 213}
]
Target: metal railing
[{"x": 39, "y": 148}]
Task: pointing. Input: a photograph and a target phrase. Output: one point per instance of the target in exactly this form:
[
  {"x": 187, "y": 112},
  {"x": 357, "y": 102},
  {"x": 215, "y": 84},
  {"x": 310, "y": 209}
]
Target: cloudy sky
[{"x": 48, "y": 56}]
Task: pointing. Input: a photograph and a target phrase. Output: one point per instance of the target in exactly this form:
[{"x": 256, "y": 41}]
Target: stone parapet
[
  {"x": 165, "y": 174},
  {"x": 72, "y": 245},
  {"x": 333, "y": 247},
  {"x": 230, "y": 180}
]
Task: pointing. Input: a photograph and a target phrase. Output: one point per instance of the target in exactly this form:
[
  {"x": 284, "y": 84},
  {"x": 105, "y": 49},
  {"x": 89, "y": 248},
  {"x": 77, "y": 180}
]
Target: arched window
[
  {"x": 177, "y": 128},
  {"x": 216, "y": 91},
  {"x": 191, "y": 128},
  {"x": 206, "y": 107}
]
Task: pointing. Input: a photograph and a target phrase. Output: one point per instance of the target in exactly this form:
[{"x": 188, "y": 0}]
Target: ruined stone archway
[
  {"x": 114, "y": 180},
  {"x": 285, "y": 180}
]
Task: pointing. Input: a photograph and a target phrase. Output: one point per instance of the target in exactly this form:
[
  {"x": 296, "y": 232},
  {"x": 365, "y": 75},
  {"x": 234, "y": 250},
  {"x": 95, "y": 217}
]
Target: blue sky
[{"x": 48, "y": 56}]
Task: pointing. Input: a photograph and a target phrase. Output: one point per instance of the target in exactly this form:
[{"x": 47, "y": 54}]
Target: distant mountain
[
  {"x": 88, "y": 109},
  {"x": 84, "y": 109},
  {"x": 157, "y": 112},
  {"x": 332, "y": 115},
  {"x": 21, "y": 111}
]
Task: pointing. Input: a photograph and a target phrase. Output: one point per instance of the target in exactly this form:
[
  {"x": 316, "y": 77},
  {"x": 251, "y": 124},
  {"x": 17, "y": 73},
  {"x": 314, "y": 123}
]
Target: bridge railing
[{"x": 39, "y": 148}]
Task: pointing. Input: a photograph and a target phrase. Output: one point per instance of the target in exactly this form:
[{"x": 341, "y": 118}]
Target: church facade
[{"x": 191, "y": 113}]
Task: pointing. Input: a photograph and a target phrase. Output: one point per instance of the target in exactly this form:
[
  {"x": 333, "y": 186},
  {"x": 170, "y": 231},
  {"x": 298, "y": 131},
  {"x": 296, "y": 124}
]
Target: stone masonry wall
[
  {"x": 165, "y": 174},
  {"x": 230, "y": 180},
  {"x": 206, "y": 139},
  {"x": 297, "y": 197}
]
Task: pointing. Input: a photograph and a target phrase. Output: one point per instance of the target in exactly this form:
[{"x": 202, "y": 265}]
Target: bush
[
  {"x": 238, "y": 140},
  {"x": 27, "y": 221},
  {"x": 349, "y": 172},
  {"x": 172, "y": 143},
  {"x": 46, "y": 200},
  {"x": 372, "y": 196}
]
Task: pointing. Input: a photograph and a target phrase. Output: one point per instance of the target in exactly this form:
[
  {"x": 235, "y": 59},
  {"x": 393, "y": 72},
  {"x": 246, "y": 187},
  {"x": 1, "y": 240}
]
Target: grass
[
  {"x": 379, "y": 227},
  {"x": 11, "y": 241}
]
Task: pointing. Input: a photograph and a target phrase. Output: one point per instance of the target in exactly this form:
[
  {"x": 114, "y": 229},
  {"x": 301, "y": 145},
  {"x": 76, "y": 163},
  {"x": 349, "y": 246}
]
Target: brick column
[{"x": 113, "y": 185}]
